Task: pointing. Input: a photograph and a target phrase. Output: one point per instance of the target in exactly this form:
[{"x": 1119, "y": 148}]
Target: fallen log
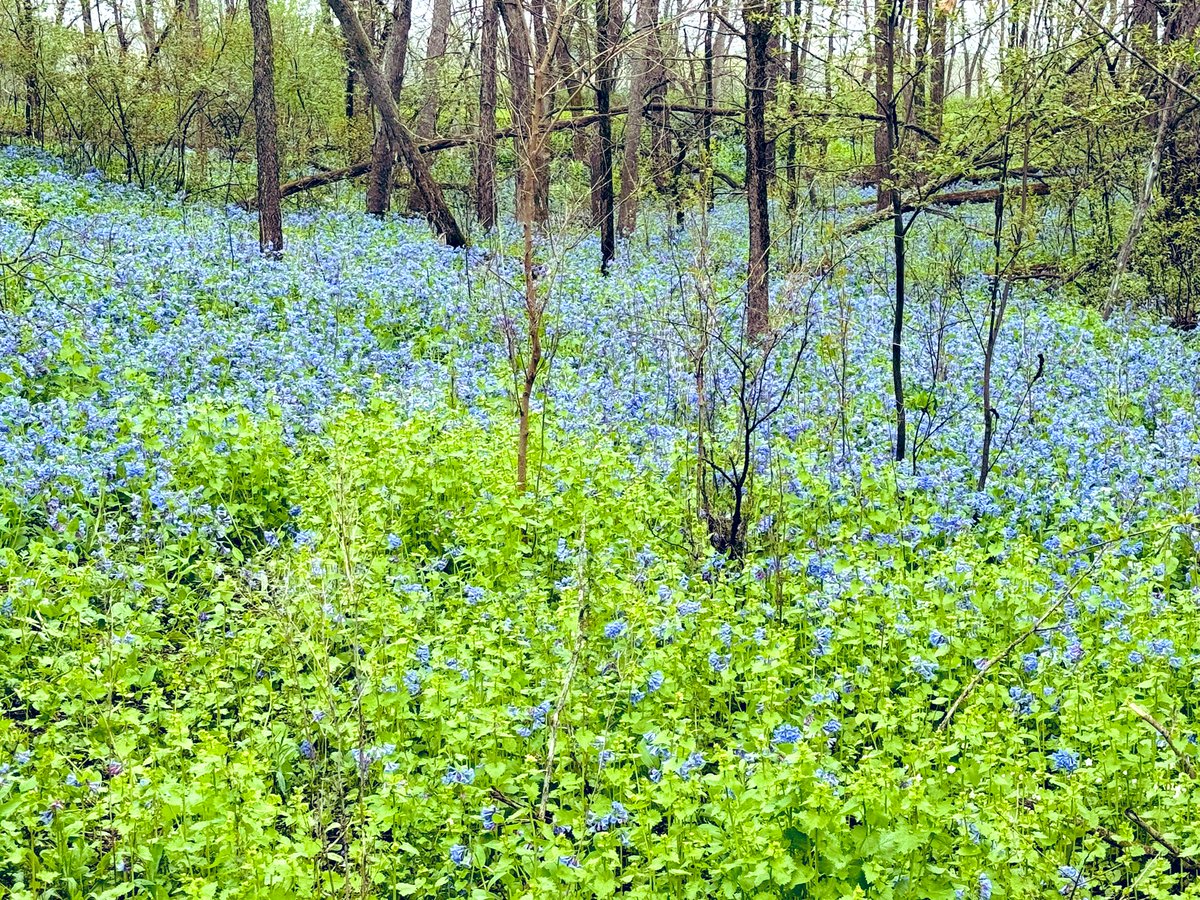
[
  {"x": 951, "y": 198},
  {"x": 362, "y": 167}
]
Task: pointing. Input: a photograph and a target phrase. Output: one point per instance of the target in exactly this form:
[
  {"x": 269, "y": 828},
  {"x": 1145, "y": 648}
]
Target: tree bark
[
  {"x": 383, "y": 154},
  {"x": 432, "y": 201},
  {"x": 885, "y": 101},
  {"x": 485, "y": 152},
  {"x": 1145, "y": 196},
  {"x": 937, "y": 72},
  {"x": 528, "y": 196},
  {"x": 33, "y": 94},
  {"x": 602, "y": 162},
  {"x": 919, "y": 89},
  {"x": 706, "y": 119},
  {"x": 435, "y": 51},
  {"x": 266, "y": 147},
  {"x": 642, "y": 54},
  {"x": 757, "y": 17}
]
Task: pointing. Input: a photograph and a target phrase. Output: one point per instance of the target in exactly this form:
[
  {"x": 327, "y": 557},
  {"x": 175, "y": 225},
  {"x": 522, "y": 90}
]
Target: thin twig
[
  {"x": 1185, "y": 761},
  {"x": 568, "y": 677},
  {"x": 1014, "y": 643},
  {"x": 1185, "y": 861}
]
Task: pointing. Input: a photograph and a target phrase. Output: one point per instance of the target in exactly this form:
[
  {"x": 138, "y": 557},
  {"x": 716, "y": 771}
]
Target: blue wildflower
[{"x": 786, "y": 734}]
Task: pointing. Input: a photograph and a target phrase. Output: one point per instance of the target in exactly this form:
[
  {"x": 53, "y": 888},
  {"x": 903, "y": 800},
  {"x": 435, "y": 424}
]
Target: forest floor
[{"x": 275, "y": 621}]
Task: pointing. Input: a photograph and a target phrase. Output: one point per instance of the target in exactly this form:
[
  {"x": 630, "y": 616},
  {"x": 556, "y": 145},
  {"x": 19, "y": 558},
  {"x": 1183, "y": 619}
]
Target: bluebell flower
[
  {"x": 689, "y": 765},
  {"x": 827, "y": 777},
  {"x": 926, "y": 669},
  {"x": 616, "y": 816},
  {"x": 614, "y": 629},
  {"x": 488, "y": 817},
  {"x": 1065, "y": 761},
  {"x": 460, "y": 855},
  {"x": 459, "y": 775},
  {"x": 1022, "y": 700},
  {"x": 1075, "y": 881},
  {"x": 786, "y": 734}
]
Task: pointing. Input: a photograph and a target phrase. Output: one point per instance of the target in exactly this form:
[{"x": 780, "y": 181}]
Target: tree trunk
[
  {"x": 602, "y": 162},
  {"x": 706, "y": 120},
  {"x": 435, "y": 51},
  {"x": 899, "y": 249},
  {"x": 485, "y": 153},
  {"x": 937, "y": 72},
  {"x": 432, "y": 201},
  {"x": 145, "y": 14},
  {"x": 919, "y": 90},
  {"x": 519, "y": 69},
  {"x": 123, "y": 41},
  {"x": 383, "y": 154},
  {"x": 887, "y": 140},
  {"x": 642, "y": 54},
  {"x": 1153, "y": 163},
  {"x": 757, "y": 17},
  {"x": 266, "y": 148},
  {"x": 568, "y": 75},
  {"x": 885, "y": 101},
  {"x": 33, "y": 94},
  {"x": 797, "y": 66}
]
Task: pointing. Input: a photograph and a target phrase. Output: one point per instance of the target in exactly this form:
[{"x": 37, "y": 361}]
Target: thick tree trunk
[
  {"x": 602, "y": 162},
  {"x": 432, "y": 201},
  {"x": 937, "y": 73},
  {"x": 642, "y": 51},
  {"x": 266, "y": 148},
  {"x": 757, "y": 17},
  {"x": 485, "y": 152},
  {"x": 383, "y": 154}
]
